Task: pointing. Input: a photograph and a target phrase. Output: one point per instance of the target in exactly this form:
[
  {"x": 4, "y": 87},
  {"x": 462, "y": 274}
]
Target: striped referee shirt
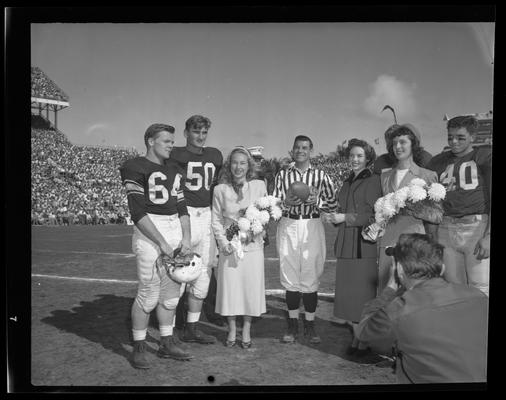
[{"x": 327, "y": 200}]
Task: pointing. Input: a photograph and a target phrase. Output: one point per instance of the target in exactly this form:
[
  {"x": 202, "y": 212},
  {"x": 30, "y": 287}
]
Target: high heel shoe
[{"x": 246, "y": 345}]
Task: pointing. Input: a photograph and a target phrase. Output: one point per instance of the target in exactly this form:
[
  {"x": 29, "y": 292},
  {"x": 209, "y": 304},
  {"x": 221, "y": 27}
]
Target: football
[{"x": 299, "y": 189}]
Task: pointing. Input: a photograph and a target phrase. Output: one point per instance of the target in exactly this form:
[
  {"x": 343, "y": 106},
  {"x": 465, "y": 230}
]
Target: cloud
[
  {"x": 389, "y": 90},
  {"x": 96, "y": 129}
]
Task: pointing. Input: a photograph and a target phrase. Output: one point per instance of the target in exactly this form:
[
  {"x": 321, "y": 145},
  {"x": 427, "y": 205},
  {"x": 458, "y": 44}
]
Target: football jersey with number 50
[
  {"x": 467, "y": 181},
  {"x": 153, "y": 188},
  {"x": 201, "y": 173}
]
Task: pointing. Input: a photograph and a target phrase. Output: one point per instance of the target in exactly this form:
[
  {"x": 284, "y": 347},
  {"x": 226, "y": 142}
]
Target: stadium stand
[
  {"x": 43, "y": 87},
  {"x": 75, "y": 184}
]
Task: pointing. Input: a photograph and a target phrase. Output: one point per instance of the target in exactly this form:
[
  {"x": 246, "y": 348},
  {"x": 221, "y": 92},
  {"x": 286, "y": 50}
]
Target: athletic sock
[
  {"x": 139, "y": 334},
  {"x": 310, "y": 301},
  {"x": 166, "y": 330},
  {"x": 193, "y": 317},
  {"x": 309, "y": 316},
  {"x": 292, "y": 301}
]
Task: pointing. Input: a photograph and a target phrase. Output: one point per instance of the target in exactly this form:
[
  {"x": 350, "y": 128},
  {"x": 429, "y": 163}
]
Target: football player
[
  {"x": 161, "y": 224},
  {"x": 465, "y": 171},
  {"x": 300, "y": 237},
  {"x": 201, "y": 165}
]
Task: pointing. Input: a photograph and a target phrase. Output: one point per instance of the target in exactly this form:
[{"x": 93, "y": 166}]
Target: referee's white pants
[{"x": 302, "y": 251}]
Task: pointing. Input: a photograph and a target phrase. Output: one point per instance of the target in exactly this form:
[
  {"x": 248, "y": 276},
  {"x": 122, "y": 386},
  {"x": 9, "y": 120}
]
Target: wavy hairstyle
[
  {"x": 370, "y": 154},
  {"x": 416, "y": 148},
  {"x": 225, "y": 175}
]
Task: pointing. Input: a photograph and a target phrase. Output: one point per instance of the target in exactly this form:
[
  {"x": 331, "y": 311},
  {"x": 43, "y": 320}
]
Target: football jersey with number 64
[
  {"x": 153, "y": 188},
  {"x": 467, "y": 181}
]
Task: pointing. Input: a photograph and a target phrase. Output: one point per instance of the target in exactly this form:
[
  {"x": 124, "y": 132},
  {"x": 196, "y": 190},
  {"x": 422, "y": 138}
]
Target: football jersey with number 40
[
  {"x": 467, "y": 181},
  {"x": 201, "y": 173}
]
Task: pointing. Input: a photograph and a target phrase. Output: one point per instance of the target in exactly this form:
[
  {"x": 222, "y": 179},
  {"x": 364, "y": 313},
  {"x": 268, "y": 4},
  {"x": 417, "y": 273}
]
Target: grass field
[{"x": 83, "y": 285}]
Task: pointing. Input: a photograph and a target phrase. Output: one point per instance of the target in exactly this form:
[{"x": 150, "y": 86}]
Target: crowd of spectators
[
  {"x": 76, "y": 184},
  {"x": 45, "y": 88},
  {"x": 338, "y": 170}
]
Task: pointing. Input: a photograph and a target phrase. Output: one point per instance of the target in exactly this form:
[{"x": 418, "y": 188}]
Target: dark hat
[{"x": 415, "y": 131}]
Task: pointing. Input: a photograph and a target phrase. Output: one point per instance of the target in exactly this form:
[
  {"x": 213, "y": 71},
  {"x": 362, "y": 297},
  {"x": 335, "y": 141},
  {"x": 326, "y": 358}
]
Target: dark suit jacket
[
  {"x": 356, "y": 200},
  {"x": 439, "y": 328}
]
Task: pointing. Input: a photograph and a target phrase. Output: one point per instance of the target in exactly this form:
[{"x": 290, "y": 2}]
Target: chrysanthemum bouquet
[
  {"x": 418, "y": 199},
  {"x": 252, "y": 222}
]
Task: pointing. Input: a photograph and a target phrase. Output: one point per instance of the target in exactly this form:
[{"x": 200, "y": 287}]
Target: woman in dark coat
[{"x": 357, "y": 267}]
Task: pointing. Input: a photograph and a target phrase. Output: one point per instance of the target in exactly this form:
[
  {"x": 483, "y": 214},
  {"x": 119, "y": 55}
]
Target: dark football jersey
[
  {"x": 384, "y": 162},
  {"x": 467, "y": 181},
  {"x": 201, "y": 173},
  {"x": 153, "y": 188}
]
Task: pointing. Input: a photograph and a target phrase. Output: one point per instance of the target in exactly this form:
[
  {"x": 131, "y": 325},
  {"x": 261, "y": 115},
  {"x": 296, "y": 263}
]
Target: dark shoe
[
  {"x": 139, "y": 357},
  {"x": 246, "y": 345},
  {"x": 169, "y": 349},
  {"x": 293, "y": 329},
  {"x": 176, "y": 335},
  {"x": 310, "y": 333},
  {"x": 351, "y": 350},
  {"x": 362, "y": 352},
  {"x": 229, "y": 343},
  {"x": 192, "y": 334}
]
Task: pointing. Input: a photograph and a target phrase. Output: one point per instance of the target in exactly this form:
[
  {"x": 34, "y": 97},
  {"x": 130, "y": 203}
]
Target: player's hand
[
  {"x": 292, "y": 200},
  {"x": 185, "y": 247},
  {"x": 482, "y": 248},
  {"x": 313, "y": 196},
  {"x": 227, "y": 249},
  {"x": 166, "y": 249}
]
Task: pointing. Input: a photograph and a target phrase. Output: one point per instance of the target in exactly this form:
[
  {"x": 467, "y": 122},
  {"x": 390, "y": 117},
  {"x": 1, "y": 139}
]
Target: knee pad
[
  {"x": 200, "y": 286},
  {"x": 170, "y": 304},
  {"x": 146, "y": 303},
  {"x": 199, "y": 293}
]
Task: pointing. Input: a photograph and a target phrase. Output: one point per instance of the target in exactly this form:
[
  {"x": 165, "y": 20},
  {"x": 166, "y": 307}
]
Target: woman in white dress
[{"x": 240, "y": 282}]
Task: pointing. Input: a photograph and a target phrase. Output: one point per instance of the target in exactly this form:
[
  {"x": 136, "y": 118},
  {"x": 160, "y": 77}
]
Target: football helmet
[{"x": 182, "y": 269}]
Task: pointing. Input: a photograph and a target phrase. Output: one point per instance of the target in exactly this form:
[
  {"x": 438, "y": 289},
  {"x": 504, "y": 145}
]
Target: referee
[{"x": 300, "y": 237}]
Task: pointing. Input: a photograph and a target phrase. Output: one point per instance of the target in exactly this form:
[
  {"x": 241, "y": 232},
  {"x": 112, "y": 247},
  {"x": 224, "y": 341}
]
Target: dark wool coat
[{"x": 356, "y": 200}]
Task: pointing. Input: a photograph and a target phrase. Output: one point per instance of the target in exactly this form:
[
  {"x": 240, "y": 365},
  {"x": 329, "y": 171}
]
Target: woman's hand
[
  {"x": 333, "y": 218},
  {"x": 227, "y": 249}
]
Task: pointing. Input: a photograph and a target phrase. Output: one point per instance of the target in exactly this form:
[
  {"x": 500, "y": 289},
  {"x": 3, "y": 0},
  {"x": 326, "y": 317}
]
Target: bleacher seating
[{"x": 75, "y": 184}]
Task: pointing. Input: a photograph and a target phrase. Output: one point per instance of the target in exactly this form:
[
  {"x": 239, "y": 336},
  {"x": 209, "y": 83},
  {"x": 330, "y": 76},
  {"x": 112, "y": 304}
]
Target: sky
[{"x": 261, "y": 84}]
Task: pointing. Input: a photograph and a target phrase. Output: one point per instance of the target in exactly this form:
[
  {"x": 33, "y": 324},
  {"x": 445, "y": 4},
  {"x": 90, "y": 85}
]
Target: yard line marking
[
  {"x": 126, "y": 255},
  {"x": 76, "y": 278},
  {"x": 277, "y": 259}
]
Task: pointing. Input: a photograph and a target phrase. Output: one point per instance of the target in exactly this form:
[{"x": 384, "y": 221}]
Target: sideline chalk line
[
  {"x": 76, "y": 278},
  {"x": 128, "y": 255}
]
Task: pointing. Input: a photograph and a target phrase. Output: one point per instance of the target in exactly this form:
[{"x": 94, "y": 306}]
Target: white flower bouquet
[
  {"x": 418, "y": 199},
  {"x": 253, "y": 222}
]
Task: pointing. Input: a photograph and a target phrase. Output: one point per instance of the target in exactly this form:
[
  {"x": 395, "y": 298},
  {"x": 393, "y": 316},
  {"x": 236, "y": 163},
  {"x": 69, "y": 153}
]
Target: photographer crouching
[{"x": 436, "y": 330}]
